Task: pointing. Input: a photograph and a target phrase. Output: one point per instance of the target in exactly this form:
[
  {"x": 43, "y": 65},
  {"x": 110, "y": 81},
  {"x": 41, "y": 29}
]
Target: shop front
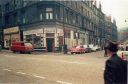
[
  {"x": 11, "y": 35},
  {"x": 51, "y": 39},
  {"x": 35, "y": 37},
  {"x": 42, "y": 39}
]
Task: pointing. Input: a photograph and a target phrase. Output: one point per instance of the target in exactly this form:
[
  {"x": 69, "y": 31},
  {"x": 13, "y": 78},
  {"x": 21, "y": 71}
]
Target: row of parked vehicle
[
  {"x": 84, "y": 49},
  {"x": 24, "y": 47}
]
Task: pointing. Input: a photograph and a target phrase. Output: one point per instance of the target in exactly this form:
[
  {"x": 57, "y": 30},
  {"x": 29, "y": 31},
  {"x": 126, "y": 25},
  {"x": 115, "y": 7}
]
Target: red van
[{"x": 22, "y": 47}]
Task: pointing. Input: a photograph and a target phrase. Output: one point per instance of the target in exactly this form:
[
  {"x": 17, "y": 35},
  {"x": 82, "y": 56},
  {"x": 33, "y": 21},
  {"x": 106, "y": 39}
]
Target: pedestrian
[
  {"x": 105, "y": 50},
  {"x": 115, "y": 69}
]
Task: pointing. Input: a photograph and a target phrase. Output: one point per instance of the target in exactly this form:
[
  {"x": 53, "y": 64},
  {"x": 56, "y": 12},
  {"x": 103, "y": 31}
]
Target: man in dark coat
[{"x": 115, "y": 68}]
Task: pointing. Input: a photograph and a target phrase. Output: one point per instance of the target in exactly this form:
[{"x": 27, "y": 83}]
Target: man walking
[{"x": 115, "y": 68}]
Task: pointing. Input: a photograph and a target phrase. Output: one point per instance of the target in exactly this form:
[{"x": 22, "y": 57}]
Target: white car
[{"x": 94, "y": 48}]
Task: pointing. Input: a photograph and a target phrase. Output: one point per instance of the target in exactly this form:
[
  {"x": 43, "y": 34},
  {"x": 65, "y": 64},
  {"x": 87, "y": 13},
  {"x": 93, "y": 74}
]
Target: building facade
[
  {"x": 111, "y": 33},
  {"x": 49, "y": 25},
  {"x": 114, "y": 31},
  {"x": 1, "y": 24}
]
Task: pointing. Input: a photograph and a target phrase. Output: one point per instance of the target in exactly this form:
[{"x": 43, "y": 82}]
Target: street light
[{"x": 64, "y": 45}]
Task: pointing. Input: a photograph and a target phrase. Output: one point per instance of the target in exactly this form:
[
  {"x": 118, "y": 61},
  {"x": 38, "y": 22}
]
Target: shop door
[{"x": 50, "y": 44}]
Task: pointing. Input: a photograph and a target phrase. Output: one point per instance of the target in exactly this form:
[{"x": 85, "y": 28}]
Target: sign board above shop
[
  {"x": 35, "y": 31},
  {"x": 11, "y": 30},
  {"x": 49, "y": 30}
]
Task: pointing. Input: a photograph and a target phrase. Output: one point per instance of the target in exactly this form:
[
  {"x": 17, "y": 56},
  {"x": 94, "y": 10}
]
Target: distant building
[
  {"x": 111, "y": 33},
  {"x": 114, "y": 35}
]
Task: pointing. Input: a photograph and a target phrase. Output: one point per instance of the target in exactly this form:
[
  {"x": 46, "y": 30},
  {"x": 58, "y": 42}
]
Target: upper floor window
[
  {"x": 49, "y": 13},
  {"x": 41, "y": 17},
  {"x": 7, "y": 7}
]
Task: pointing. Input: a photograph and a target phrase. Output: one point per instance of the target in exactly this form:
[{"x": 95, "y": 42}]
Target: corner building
[{"x": 48, "y": 25}]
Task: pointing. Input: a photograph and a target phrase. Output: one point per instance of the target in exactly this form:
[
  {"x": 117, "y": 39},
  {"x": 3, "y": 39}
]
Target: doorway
[{"x": 50, "y": 44}]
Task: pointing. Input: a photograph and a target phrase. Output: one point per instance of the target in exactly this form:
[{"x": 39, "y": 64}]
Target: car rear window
[{"x": 28, "y": 44}]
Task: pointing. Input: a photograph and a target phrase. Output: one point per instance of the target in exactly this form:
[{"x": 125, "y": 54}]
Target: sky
[{"x": 118, "y": 9}]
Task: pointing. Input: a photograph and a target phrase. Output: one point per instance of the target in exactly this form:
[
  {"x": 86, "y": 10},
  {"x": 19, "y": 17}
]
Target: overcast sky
[{"x": 118, "y": 9}]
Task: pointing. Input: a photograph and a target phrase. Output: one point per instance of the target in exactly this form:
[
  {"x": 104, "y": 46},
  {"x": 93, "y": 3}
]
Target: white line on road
[
  {"x": 62, "y": 82},
  {"x": 39, "y": 76},
  {"x": 7, "y": 70},
  {"x": 20, "y": 73}
]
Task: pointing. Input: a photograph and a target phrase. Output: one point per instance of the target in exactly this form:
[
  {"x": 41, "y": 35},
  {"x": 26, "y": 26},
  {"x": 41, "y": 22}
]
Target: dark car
[{"x": 87, "y": 49}]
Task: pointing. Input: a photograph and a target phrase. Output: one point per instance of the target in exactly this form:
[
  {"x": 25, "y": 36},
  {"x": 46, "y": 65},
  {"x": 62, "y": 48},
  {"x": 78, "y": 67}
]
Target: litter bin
[{"x": 65, "y": 49}]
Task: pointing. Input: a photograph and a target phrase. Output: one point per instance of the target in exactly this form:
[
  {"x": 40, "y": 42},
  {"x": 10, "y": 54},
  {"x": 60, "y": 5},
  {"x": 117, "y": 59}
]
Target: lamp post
[{"x": 64, "y": 44}]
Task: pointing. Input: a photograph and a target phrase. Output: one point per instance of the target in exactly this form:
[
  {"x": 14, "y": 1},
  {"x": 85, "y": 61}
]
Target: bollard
[
  {"x": 0, "y": 47},
  {"x": 122, "y": 56}
]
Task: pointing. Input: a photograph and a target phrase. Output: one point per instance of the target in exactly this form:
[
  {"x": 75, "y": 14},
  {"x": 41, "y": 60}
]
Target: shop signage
[
  {"x": 36, "y": 31},
  {"x": 49, "y": 30},
  {"x": 60, "y": 32},
  {"x": 11, "y": 30}
]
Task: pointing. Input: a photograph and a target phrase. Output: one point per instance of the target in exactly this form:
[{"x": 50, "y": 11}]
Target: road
[{"x": 52, "y": 68}]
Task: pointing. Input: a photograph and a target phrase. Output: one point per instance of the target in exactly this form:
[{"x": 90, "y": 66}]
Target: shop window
[
  {"x": 36, "y": 41},
  {"x": 7, "y": 42},
  {"x": 29, "y": 38}
]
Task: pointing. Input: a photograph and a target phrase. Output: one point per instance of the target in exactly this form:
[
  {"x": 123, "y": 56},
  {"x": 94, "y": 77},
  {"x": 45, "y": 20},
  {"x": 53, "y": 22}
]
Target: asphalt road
[{"x": 52, "y": 68}]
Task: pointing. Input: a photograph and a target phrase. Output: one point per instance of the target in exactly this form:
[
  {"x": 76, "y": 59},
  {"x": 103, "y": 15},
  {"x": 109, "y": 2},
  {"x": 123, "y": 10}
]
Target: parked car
[
  {"x": 97, "y": 47},
  {"x": 77, "y": 49},
  {"x": 22, "y": 47},
  {"x": 87, "y": 48},
  {"x": 94, "y": 48}
]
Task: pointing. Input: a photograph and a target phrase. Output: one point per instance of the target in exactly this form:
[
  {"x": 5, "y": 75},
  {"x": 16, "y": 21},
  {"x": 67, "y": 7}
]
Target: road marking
[
  {"x": 7, "y": 69},
  {"x": 62, "y": 82},
  {"x": 39, "y": 76},
  {"x": 9, "y": 56},
  {"x": 20, "y": 73}
]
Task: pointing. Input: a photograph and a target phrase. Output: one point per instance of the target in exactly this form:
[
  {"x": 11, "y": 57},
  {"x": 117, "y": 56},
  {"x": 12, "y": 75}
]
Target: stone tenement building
[
  {"x": 49, "y": 25},
  {"x": 110, "y": 29}
]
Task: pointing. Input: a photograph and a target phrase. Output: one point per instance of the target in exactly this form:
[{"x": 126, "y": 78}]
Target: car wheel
[
  {"x": 29, "y": 52},
  {"x": 21, "y": 52}
]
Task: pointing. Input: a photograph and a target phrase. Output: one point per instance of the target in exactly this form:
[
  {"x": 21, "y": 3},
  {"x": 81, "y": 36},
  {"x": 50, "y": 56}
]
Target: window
[
  {"x": 76, "y": 35},
  {"x": 41, "y": 17},
  {"x": 49, "y": 13},
  {"x": 0, "y": 9},
  {"x": 7, "y": 7},
  {"x": 24, "y": 3}
]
